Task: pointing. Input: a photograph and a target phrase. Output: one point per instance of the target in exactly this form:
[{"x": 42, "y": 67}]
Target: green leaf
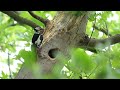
[
  {"x": 4, "y": 76},
  {"x": 81, "y": 61},
  {"x": 29, "y": 56}
]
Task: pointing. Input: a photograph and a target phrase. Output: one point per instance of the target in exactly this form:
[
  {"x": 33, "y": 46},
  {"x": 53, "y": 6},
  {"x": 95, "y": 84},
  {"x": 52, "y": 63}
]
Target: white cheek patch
[{"x": 38, "y": 41}]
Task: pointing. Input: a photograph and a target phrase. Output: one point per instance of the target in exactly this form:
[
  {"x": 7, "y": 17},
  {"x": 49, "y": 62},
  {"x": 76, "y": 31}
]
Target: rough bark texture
[{"x": 62, "y": 33}]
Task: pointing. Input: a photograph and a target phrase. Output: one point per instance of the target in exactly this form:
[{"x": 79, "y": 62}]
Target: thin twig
[
  {"x": 10, "y": 75},
  {"x": 109, "y": 56},
  {"x": 38, "y": 18},
  {"x": 91, "y": 33},
  {"x": 102, "y": 30},
  {"x": 93, "y": 71}
]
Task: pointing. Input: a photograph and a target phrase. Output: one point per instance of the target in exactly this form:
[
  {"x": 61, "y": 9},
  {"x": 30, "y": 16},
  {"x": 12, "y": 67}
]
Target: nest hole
[{"x": 53, "y": 53}]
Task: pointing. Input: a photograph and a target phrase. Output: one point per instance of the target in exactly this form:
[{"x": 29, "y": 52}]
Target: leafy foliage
[{"x": 16, "y": 39}]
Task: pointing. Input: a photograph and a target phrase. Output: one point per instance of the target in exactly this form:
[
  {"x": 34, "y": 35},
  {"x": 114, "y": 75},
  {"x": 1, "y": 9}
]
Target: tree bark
[{"x": 65, "y": 31}]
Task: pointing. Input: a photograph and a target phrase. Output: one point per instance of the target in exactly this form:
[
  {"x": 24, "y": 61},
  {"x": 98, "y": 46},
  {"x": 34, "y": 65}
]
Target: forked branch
[
  {"x": 39, "y": 18},
  {"x": 20, "y": 19}
]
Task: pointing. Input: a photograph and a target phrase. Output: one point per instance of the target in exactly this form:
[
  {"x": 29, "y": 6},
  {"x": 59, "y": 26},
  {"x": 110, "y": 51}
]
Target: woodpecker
[{"x": 37, "y": 37}]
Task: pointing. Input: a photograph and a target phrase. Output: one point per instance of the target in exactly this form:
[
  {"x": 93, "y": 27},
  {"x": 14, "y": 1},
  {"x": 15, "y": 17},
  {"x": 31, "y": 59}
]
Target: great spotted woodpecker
[{"x": 37, "y": 37}]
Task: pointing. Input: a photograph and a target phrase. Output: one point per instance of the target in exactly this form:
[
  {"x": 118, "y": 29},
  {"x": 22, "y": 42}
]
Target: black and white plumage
[{"x": 37, "y": 37}]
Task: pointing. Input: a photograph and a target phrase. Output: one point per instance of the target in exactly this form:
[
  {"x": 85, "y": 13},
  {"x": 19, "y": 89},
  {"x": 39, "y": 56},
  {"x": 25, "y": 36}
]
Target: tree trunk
[{"x": 65, "y": 31}]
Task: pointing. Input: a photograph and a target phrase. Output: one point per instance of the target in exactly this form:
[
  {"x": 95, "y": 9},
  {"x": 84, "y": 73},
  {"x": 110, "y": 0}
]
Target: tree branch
[
  {"x": 93, "y": 42},
  {"x": 39, "y": 18},
  {"x": 20, "y": 19},
  {"x": 102, "y": 30}
]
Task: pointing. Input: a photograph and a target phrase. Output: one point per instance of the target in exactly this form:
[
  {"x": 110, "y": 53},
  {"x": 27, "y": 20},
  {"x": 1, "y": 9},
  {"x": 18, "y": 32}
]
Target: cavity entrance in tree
[{"x": 53, "y": 53}]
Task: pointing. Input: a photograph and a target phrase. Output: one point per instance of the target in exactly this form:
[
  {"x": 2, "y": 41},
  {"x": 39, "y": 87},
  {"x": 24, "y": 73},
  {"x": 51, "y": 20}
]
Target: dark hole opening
[{"x": 53, "y": 52}]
